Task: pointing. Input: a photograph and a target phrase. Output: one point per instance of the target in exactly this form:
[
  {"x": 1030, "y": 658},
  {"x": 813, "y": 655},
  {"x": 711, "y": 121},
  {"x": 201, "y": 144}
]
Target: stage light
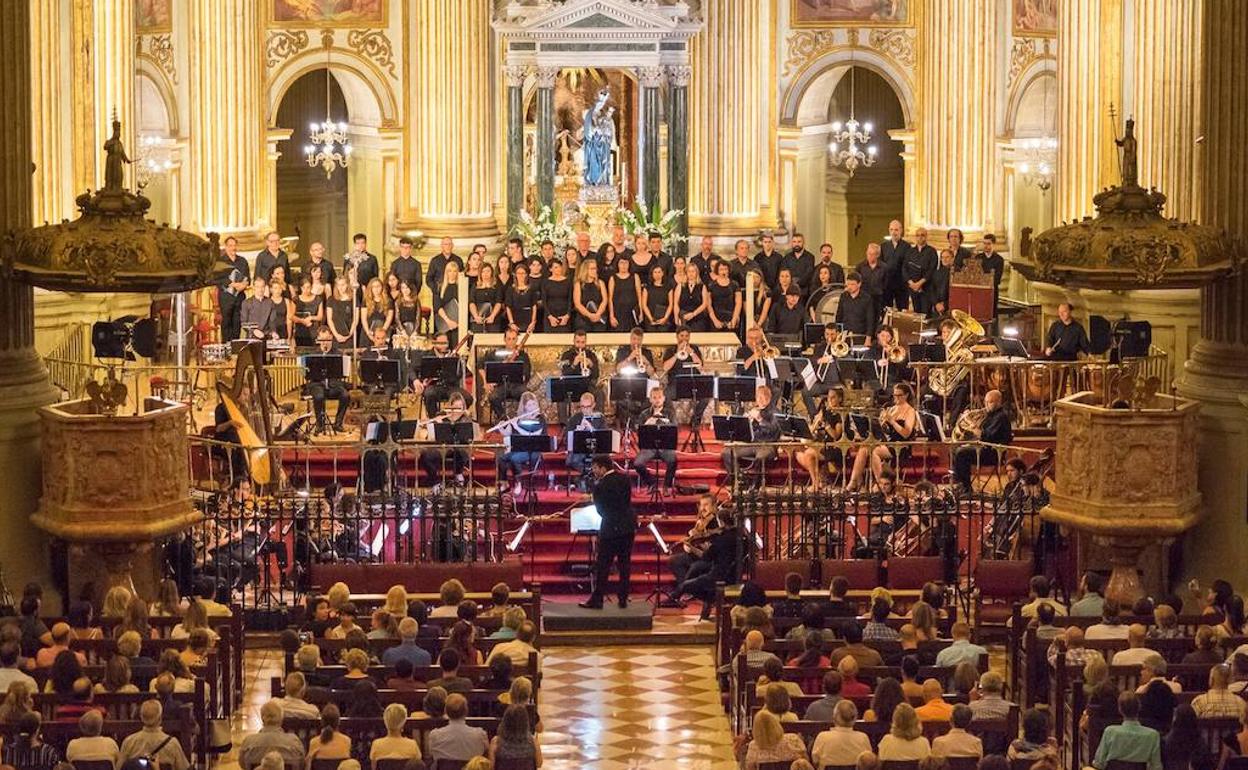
[
  {"x": 124, "y": 338},
  {"x": 1010, "y": 331}
]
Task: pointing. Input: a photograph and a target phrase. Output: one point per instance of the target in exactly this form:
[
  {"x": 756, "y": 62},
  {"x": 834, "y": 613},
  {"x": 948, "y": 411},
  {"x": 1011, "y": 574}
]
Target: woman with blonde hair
[
  {"x": 770, "y": 743},
  {"x": 589, "y": 299},
  {"x": 923, "y": 618},
  {"x": 19, "y": 701},
  {"x": 116, "y": 601},
  {"x": 394, "y": 745},
  {"x": 338, "y": 595},
  {"x": 117, "y": 677},
  {"x": 396, "y": 602},
  {"x": 136, "y": 620},
  {"x": 168, "y": 602},
  {"x": 196, "y": 617},
  {"x": 905, "y": 739},
  {"x": 377, "y": 311}
]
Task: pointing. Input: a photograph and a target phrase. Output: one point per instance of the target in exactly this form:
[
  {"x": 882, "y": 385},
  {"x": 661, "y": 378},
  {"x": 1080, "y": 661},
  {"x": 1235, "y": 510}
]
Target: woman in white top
[
  {"x": 842, "y": 745},
  {"x": 770, "y": 743},
  {"x": 905, "y": 738},
  {"x": 196, "y": 617},
  {"x": 394, "y": 745}
]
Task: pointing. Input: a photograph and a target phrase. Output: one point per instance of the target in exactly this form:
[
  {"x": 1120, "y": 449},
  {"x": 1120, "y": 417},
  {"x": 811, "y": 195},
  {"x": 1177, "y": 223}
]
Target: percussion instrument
[
  {"x": 906, "y": 325},
  {"x": 215, "y": 352},
  {"x": 825, "y": 309}
]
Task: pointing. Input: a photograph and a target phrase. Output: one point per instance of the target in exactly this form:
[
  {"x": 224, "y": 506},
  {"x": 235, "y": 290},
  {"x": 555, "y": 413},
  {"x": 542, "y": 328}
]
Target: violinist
[
  {"x": 899, "y": 422},
  {"x": 499, "y": 394},
  {"x": 437, "y": 391},
  {"x": 824, "y": 361},
  {"x": 683, "y": 359},
  {"x": 435, "y": 462},
  {"x": 588, "y": 418},
  {"x": 827, "y": 429},
  {"x": 659, "y": 413},
  {"x": 529, "y": 421},
  {"x": 721, "y": 557},
  {"x": 765, "y": 428},
  {"x": 686, "y": 560}
]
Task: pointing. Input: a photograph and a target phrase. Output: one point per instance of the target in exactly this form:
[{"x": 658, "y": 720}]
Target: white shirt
[
  {"x": 298, "y": 707},
  {"x": 518, "y": 651},
  {"x": 957, "y": 743},
  {"x": 10, "y": 675},
  {"x": 892, "y": 747},
  {"x": 839, "y": 746},
  {"x": 95, "y": 749},
  {"x": 1132, "y": 656},
  {"x": 1106, "y": 631}
]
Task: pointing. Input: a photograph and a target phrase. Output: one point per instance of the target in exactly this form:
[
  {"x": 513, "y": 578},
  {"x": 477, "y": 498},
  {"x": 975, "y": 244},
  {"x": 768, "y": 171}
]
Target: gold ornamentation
[
  {"x": 160, "y": 48},
  {"x": 1024, "y": 53},
  {"x": 107, "y": 396},
  {"x": 807, "y": 45},
  {"x": 373, "y": 44},
  {"x": 895, "y": 43},
  {"x": 283, "y": 44}
]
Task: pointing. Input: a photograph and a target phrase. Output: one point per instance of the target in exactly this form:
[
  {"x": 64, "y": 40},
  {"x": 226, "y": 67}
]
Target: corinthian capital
[
  {"x": 515, "y": 75},
  {"x": 680, "y": 75},
  {"x": 546, "y": 76},
  {"x": 650, "y": 77}
]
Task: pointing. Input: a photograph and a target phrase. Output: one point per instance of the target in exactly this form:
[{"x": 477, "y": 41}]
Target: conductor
[{"x": 613, "y": 497}]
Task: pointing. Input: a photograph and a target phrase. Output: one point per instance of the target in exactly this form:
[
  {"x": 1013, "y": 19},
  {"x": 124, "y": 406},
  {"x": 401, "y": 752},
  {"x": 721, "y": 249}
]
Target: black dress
[
  {"x": 557, "y": 297},
  {"x": 339, "y": 314},
  {"x": 375, "y": 317},
  {"x": 658, "y": 300},
  {"x": 305, "y": 336},
  {"x": 407, "y": 317},
  {"x": 625, "y": 304},
  {"x": 485, "y": 298},
  {"x": 521, "y": 303},
  {"x": 278, "y": 321},
  {"x": 591, "y": 300},
  {"x": 723, "y": 300},
  {"x": 689, "y": 300}
]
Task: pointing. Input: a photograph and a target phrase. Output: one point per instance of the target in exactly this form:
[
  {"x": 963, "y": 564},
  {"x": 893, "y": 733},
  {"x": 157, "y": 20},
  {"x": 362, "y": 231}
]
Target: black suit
[
  {"x": 266, "y": 261},
  {"x": 939, "y": 286},
  {"x": 895, "y": 255},
  {"x": 613, "y": 497},
  {"x": 920, "y": 263},
  {"x": 996, "y": 429},
  {"x": 721, "y": 557}
]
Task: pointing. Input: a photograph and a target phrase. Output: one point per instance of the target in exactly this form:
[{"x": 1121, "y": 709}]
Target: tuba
[
  {"x": 969, "y": 425},
  {"x": 944, "y": 380}
]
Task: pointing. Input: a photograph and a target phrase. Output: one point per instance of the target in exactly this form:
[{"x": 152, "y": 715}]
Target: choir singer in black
[{"x": 613, "y": 498}]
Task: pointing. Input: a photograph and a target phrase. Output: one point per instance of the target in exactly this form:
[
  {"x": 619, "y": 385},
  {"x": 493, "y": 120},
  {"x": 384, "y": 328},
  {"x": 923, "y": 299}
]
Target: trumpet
[
  {"x": 582, "y": 361},
  {"x": 769, "y": 350}
]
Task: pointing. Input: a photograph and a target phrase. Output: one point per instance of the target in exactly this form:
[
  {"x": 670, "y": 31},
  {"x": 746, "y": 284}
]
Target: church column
[
  {"x": 24, "y": 385},
  {"x": 113, "y": 76},
  {"x": 545, "y": 138},
  {"x": 515, "y": 142},
  {"x": 1217, "y": 373},
  {"x": 227, "y": 131},
  {"x": 651, "y": 80},
  {"x": 451, "y": 90},
  {"x": 729, "y": 165},
  {"x": 678, "y": 144},
  {"x": 955, "y": 86},
  {"x": 1089, "y": 67},
  {"x": 1166, "y": 99}
]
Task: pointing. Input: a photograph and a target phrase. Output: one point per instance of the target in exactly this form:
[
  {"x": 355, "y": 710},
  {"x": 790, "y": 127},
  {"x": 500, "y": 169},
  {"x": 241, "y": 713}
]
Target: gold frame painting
[
  {"x": 850, "y": 13},
  {"x": 326, "y": 18},
  {"x": 1019, "y": 7},
  {"x": 161, "y": 10}
]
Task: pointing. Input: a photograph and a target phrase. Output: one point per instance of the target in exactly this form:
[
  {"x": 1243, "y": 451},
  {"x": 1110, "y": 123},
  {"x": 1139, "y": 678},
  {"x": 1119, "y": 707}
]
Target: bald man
[
  {"x": 316, "y": 257},
  {"x": 995, "y": 429},
  {"x": 917, "y": 269},
  {"x": 893, "y": 253}
]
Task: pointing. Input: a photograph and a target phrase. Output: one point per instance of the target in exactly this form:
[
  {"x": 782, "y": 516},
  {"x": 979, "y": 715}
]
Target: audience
[
  {"x": 1093, "y": 599},
  {"x": 396, "y": 603},
  {"x": 394, "y": 745},
  {"x": 10, "y": 655},
  {"x": 92, "y": 746},
  {"x": 866, "y": 656},
  {"x": 1166, "y": 623},
  {"x": 153, "y": 741},
  {"x": 356, "y": 661},
  {"x": 776, "y": 699},
  {"x": 364, "y": 703},
  {"x": 407, "y": 649},
  {"x": 1136, "y": 652},
  {"x": 292, "y": 704},
  {"x": 823, "y": 709},
  {"x": 961, "y": 650},
  {"x": 270, "y": 738},
  {"x": 884, "y": 701},
  {"x": 61, "y": 634},
  {"x": 433, "y": 706},
  {"x": 1218, "y": 701},
  {"x": 512, "y": 618},
  {"x": 1111, "y": 626},
  {"x": 27, "y": 751},
  {"x": 877, "y": 628},
  {"x": 1045, "y": 630},
  {"x": 905, "y": 737},
  {"x": 329, "y": 743},
  {"x": 515, "y": 740},
  {"x": 457, "y": 740},
  {"x": 1129, "y": 741},
  {"x": 792, "y": 605},
  {"x": 770, "y": 743},
  {"x": 1036, "y": 742},
  {"x": 404, "y": 677},
  {"x": 773, "y": 673},
  {"x": 19, "y": 701},
  {"x": 451, "y": 594},
  {"x": 1206, "y": 643},
  {"x": 850, "y": 686},
  {"x": 346, "y": 622},
  {"x": 958, "y": 742},
  {"x": 934, "y": 708},
  {"x": 450, "y": 680},
  {"x": 520, "y": 648},
  {"x": 1039, "y": 590},
  {"x": 910, "y": 680},
  {"x": 842, "y": 744},
  {"x": 1183, "y": 747}
]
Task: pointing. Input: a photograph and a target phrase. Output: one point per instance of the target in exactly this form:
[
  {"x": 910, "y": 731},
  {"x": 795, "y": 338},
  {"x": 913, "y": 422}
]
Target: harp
[{"x": 251, "y": 413}]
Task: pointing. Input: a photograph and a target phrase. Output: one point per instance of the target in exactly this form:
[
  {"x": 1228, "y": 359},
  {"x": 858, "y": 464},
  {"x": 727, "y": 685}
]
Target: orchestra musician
[
  {"x": 231, "y": 292},
  {"x": 686, "y": 560},
  {"x": 579, "y": 360},
  {"x": 752, "y": 355},
  {"x": 257, "y": 315},
  {"x": 876, "y": 278},
  {"x": 588, "y": 418},
  {"x": 827, "y": 428},
  {"x": 1015, "y": 469},
  {"x": 826, "y": 374},
  {"x": 436, "y": 461},
  {"x": 917, "y": 267},
  {"x": 632, "y": 360},
  {"x": 857, "y": 311},
  {"x": 529, "y": 421},
  {"x": 1066, "y": 339},
  {"x": 499, "y": 394},
  {"x": 889, "y": 372},
  {"x": 658, "y": 413},
  {"x": 721, "y": 557},
  {"x": 437, "y": 391},
  {"x": 899, "y": 422},
  {"x": 684, "y": 359},
  {"x": 321, "y": 391},
  {"x": 995, "y": 428},
  {"x": 381, "y": 351},
  {"x": 766, "y": 428},
  {"x": 893, "y": 252},
  {"x": 955, "y": 402},
  {"x": 613, "y": 498}
]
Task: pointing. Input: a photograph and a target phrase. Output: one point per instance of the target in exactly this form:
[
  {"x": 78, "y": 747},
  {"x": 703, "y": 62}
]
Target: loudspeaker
[
  {"x": 1100, "y": 335},
  {"x": 1134, "y": 338}
]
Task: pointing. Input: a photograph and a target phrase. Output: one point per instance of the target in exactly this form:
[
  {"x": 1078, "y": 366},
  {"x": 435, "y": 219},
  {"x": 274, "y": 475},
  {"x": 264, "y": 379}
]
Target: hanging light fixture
[
  {"x": 851, "y": 142},
  {"x": 1038, "y": 156},
  {"x": 327, "y": 142},
  {"x": 153, "y": 157}
]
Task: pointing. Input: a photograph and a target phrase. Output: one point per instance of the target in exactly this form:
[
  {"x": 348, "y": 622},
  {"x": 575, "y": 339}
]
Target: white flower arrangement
[
  {"x": 544, "y": 227},
  {"x": 636, "y": 221}
]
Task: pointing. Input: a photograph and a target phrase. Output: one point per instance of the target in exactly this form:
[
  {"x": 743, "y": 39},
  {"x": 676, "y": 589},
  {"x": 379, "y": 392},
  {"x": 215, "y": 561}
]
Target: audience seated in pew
[
  {"x": 1183, "y": 747},
  {"x": 1129, "y": 741},
  {"x": 521, "y": 647},
  {"x": 850, "y": 686},
  {"x": 962, "y": 650},
  {"x": 1111, "y": 625},
  {"x": 153, "y": 741},
  {"x": 776, "y": 699},
  {"x": 292, "y": 703},
  {"x": 270, "y": 738},
  {"x": 1136, "y": 652},
  {"x": 1219, "y": 701},
  {"x": 1039, "y": 590},
  {"x": 884, "y": 701},
  {"x": 450, "y": 680},
  {"x": 515, "y": 740},
  {"x": 770, "y": 743},
  {"x": 407, "y": 649},
  {"x": 1206, "y": 642},
  {"x": 823, "y": 709},
  {"x": 330, "y": 742},
  {"x": 394, "y": 745},
  {"x": 452, "y": 592},
  {"x": 935, "y": 708},
  {"x": 958, "y": 742},
  {"x": 511, "y": 620},
  {"x": 905, "y": 739},
  {"x": 864, "y": 655},
  {"x": 346, "y": 622},
  {"x": 92, "y": 746},
  {"x": 842, "y": 744},
  {"x": 1037, "y": 741},
  {"x": 457, "y": 740}
]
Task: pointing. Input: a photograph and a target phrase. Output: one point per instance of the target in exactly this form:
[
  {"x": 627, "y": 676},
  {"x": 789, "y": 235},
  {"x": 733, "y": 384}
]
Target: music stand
[
  {"x": 795, "y": 426},
  {"x": 855, "y": 371},
  {"x": 733, "y": 428},
  {"x": 926, "y": 352},
  {"x": 788, "y": 374},
  {"x": 631, "y": 389},
  {"x": 588, "y": 443},
  {"x": 695, "y": 387},
  {"x": 659, "y": 438},
  {"x": 537, "y": 444},
  {"x": 323, "y": 368},
  {"x": 736, "y": 389},
  {"x": 443, "y": 370},
  {"x": 564, "y": 388},
  {"x": 380, "y": 372},
  {"x": 404, "y": 430},
  {"x": 812, "y": 334},
  {"x": 1010, "y": 347},
  {"x": 661, "y": 549}
]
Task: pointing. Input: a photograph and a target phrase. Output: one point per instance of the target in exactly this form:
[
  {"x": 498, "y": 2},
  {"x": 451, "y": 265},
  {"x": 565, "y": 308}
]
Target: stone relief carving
[
  {"x": 895, "y": 43},
  {"x": 283, "y": 44},
  {"x": 373, "y": 44},
  {"x": 1024, "y": 52},
  {"x": 805, "y": 45},
  {"x": 160, "y": 48}
]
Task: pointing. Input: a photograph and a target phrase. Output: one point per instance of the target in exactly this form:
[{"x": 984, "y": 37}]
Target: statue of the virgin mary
[{"x": 598, "y": 138}]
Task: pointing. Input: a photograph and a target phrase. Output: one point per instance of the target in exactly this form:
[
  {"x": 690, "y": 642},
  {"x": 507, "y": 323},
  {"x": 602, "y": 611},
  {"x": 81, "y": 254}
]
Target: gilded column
[
  {"x": 227, "y": 131},
  {"x": 1217, "y": 373},
  {"x": 544, "y": 140},
  {"x": 515, "y": 142},
  {"x": 678, "y": 144},
  {"x": 1166, "y": 100},
  {"x": 52, "y": 108},
  {"x": 651, "y": 81},
  {"x": 24, "y": 382},
  {"x": 113, "y": 68},
  {"x": 729, "y": 164},
  {"x": 1089, "y": 72},
  {"x": 450, "y": 92},
  {"x": 956, "y": 85}
]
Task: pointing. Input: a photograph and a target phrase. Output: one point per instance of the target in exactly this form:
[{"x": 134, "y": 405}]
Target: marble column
[
  {"x": 515, "y": 142},
  {"x": 1166, "y": 99},
  {"x": 1217, "y": 373},
  {"x": 451, "y": 86},
  {"x": 544, "y": 141},
  {"x": 1089, "y": 67},
  {"x": 954, "y": 92},
  {"x": 227, "y": 124},
  {"x": 678, "y": 143},
  {"x": 730, "y": 166},
  {"x": 651, "y": 81},
  {"x": 24, "y": 384}
]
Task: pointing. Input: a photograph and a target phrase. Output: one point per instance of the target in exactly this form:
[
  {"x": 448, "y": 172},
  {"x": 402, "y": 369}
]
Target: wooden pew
[
  {"x": 996, "y": 730},
  {"x": 363, "y": 731},
  {"x": 59, "y": 734},
  {"x": 530, "y": 601},
  {"x": 124, "y": 707}
]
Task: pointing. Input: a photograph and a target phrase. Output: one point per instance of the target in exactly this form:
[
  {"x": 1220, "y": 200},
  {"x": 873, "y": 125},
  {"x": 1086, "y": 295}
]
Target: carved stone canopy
[
  {"x": 1129, "y": 244},
  {"x": 112, "y": 246}
]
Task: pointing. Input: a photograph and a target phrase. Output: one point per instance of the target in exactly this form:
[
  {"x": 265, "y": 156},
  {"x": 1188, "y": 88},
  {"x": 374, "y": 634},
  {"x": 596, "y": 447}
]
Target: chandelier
[
  {"x": 1038, "y": 158},
  {"x": 153, "y": 160},
  {"x": 855, "y": 138},
  {"x": 327, "y": 142}
]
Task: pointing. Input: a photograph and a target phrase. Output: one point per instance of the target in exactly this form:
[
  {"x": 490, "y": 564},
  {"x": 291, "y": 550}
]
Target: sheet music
[{"x": 809, "y": 378}]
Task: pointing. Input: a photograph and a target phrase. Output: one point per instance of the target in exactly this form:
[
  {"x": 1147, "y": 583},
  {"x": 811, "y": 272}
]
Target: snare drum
[{"x": 215, "y": 353}]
